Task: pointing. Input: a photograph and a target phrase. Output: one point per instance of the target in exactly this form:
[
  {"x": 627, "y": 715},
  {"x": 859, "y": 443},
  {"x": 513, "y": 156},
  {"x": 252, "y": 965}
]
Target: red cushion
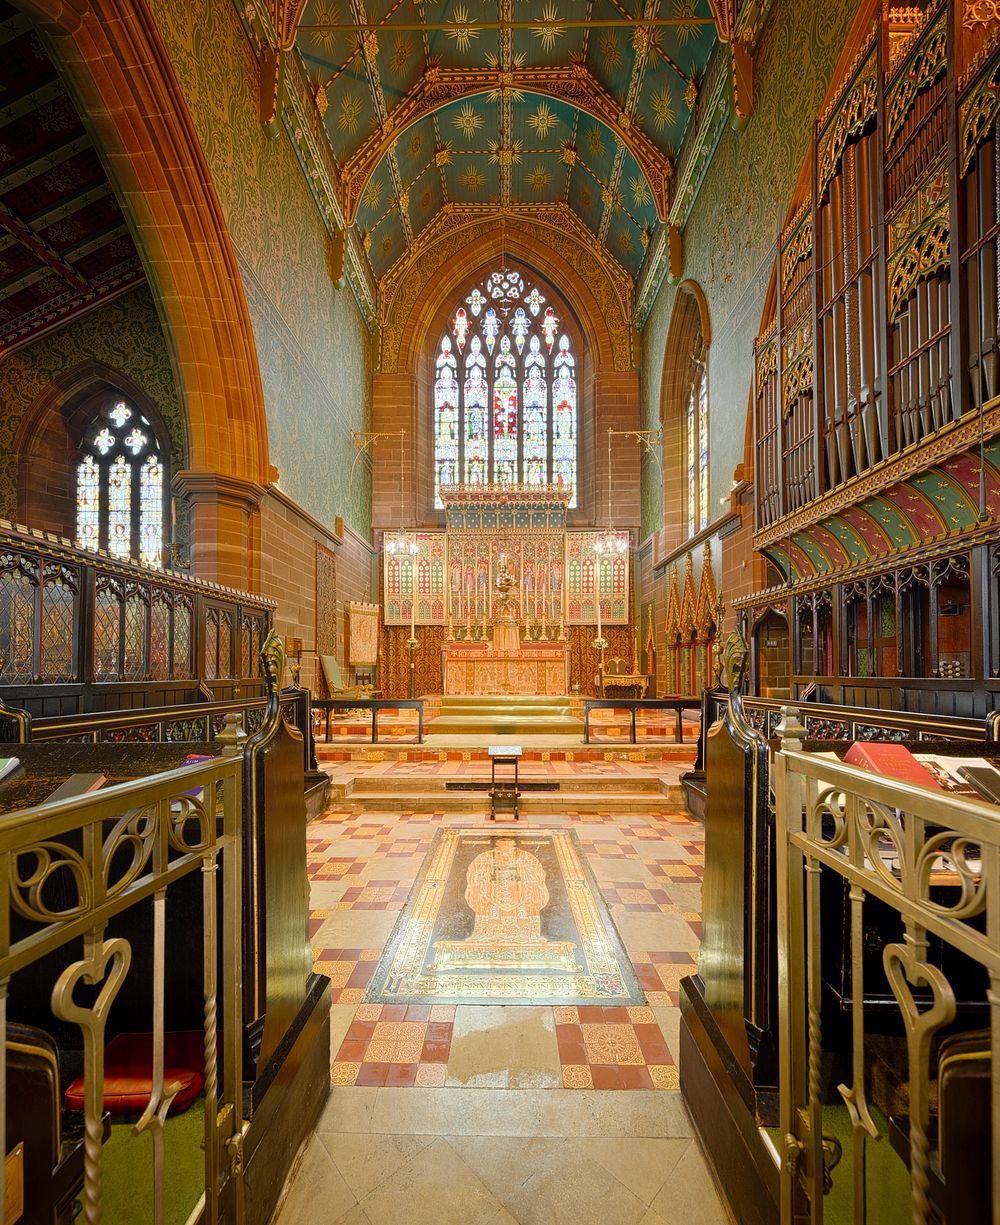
[{"x": 128, "y": 1072}]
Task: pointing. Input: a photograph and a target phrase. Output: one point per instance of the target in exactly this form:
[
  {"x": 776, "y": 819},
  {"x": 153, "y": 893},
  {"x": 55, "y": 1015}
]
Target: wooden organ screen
[{"x": 884, "y": 328}]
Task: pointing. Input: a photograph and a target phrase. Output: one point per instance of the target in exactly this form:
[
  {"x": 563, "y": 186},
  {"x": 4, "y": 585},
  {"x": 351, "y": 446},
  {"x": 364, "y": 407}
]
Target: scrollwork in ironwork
[
  {"x": 127, "y": 849},
  {"x": 925, "y": 67},
  {"x": 187, "y": 811},
  {"x": 961, "y": 858},
  {"x": 881, "y": 835},
  {"x": 830, "y": 814},
  {"x": 53, "y": 868}
]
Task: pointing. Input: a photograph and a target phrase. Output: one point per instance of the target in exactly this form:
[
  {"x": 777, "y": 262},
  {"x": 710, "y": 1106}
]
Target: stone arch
[
  {"x": 455, "y": 256},
  {"x": 689, "y": 332},
  {"x": 119, "y": 70}
]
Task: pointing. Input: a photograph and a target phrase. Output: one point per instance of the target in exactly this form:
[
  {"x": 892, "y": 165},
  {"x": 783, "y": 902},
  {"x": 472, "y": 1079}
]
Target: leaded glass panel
[
  {"x": 88, "y": 504},
  {"x": 135, "y": 638},
  {"x": 107, "y": 631},
  {"x": 505, "y": 417},
  {"x": 445, "y": 421},
  {"x": 151, "y": 512},
  {"x": 159, "y": 639},
  {"x": 476, "y": 397},
  {"x": 225, "y": 644},
  {"x": 58, "y": 608},
  {"x": 703, "y": 450},
  {"x": 120, "y": 488},
  {"x": 182, "y": 641},
  {"x": 17, "y": 623},
  {"x": 119, "y": 508},
  {"x": 691, "y": 434},
  {"x": 511, "y": 419},
  {"x": 212, "y": 645}
]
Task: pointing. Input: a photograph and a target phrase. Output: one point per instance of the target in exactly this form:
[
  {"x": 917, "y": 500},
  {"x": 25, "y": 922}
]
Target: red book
[{"x": 891, "y": 761}]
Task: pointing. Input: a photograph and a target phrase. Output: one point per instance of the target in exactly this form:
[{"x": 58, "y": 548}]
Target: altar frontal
[{"x": 512, "y": 917}]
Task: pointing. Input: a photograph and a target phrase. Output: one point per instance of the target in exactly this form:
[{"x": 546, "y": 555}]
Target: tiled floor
[{"x": 500, "y": 1114}]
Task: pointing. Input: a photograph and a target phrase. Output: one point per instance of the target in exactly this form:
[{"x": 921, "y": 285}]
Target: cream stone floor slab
[{"x": 495, "y": 1138}]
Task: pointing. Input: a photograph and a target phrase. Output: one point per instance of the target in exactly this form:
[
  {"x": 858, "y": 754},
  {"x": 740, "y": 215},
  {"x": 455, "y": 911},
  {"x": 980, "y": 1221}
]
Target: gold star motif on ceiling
[
  {"x": 640, "y": 191},
  {"x": 548, "y": 33},
  {"x": 471, "y": 179},
  {"x": 624, "y": 241},
  {"x": 688, "y": 27},
  {"x": 400, "y": 54},
  {"x": 505, "y": 155},
  {"x": 416, "y": 142},
  {"x": 663, "y": 109},
  {"x": 442, "y": 154},
  {"x": 350, "y": 112},
  {"x": 542, "y": 120},
  {"x": 326, "y": 15},
  {"x": 386, "y": 244},
  {"x": 462, "y": 33},
  {"x": 538, "y": 178},
  {"x": 595, "y": 141},
  {"x": 373, "y": 194},
  {"x": 468, "y": 121},
  {"x": 610, "y": 51}
]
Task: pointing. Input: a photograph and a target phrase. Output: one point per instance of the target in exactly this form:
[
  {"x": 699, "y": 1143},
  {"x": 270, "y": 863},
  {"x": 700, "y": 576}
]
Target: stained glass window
[
  {"x": 121, "y": 486},
  {"x": 696, "y": 451},
  {"x": 505, "y": 392}
]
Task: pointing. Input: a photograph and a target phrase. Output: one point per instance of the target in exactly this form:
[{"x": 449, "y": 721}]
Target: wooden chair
[{"x": 335, "y": 682}]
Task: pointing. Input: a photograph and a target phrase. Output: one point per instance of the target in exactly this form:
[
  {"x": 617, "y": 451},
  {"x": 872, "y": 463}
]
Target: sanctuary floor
[{"x": 486, "y": 1114}]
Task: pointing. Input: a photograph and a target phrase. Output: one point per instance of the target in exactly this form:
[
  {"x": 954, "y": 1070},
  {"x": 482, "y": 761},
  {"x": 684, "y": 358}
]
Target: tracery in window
[
  {"x": 505, "y": 400},
  {"x": 120, "y": 487}
]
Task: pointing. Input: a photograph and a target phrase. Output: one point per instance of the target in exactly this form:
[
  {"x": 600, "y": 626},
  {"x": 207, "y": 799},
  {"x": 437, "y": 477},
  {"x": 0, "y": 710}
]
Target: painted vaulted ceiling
[{"x": 496, "y": 103}]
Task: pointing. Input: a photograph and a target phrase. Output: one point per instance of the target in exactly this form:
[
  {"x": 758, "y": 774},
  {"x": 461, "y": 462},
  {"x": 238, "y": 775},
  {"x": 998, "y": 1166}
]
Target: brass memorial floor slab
[{"x": 505, "y": 916}]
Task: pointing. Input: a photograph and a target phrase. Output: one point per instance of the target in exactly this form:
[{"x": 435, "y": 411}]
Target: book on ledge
[
  {"x": 8, "y": 765},
  {"x": 76, "y": 784},
  {"x": 891, "y": 761}
]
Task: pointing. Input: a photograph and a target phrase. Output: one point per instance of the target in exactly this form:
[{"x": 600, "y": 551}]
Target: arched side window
[
  {"x": 120, "y": 486},
  {"x": 505, "y": 399},
  {"x": 684, "y": 412},
  {"x": 696, "y": 440}
]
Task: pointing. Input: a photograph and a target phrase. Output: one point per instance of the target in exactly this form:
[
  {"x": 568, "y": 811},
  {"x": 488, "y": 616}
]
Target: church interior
[{"x": 499, "y": 612}]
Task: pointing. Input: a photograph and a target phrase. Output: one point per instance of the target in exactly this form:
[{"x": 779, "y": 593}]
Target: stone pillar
[{"x": 225, "y": 531}]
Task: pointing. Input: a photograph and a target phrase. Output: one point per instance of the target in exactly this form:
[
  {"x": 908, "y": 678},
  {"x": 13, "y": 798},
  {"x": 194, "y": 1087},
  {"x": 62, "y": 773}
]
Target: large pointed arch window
[
  {"x": 120, "y": 487},
  {"x": 505, "y": 392}
]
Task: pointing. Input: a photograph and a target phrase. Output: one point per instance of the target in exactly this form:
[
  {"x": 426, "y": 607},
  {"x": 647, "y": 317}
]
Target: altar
[
  {"x": 508, "y": 581},
  {"x": 533, "y": 669}
]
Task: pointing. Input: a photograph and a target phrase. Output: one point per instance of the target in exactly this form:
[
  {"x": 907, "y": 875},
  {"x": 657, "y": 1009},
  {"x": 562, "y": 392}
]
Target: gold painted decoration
[
  {"x": 796, "y": 379},
  {"x": 362, "y": 633},
  {"x": 925, "y": 67},
  {"x": 919, "y": 240},
  {"x": 978, "y": 114},
  {"x": 855, "y": 110},
  {"x": 797, "y": 249},
  {"x": 767, "y": 362}
]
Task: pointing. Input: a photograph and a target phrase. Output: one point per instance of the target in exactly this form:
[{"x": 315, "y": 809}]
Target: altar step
[
  {"x": 581, "y": 795},
  {"x": 502, "y": 715}
]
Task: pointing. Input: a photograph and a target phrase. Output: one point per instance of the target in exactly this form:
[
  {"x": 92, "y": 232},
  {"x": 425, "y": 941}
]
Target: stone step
[
  {"x": 437, "y": 784},
  {"x": 505, "y": 725},
  {"x": 533, "y": 803}
]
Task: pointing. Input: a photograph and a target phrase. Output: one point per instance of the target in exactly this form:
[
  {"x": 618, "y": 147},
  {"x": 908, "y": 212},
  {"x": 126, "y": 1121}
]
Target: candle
[
  {"x": 599, "y": 614},
  {"x": 413, "y": 614}
]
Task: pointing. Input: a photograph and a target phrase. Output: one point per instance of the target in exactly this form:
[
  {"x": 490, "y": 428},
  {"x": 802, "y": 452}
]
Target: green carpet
[
  {"x": 888, "y": 1179},
  {"x": 128, "y": 1169}
]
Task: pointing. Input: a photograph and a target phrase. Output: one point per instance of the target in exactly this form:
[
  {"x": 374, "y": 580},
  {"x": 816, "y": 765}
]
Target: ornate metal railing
[
  {"x": 829, "y": 721},
  {"x": 130, "y": 858},
  {"x": 934, "y": 861}
]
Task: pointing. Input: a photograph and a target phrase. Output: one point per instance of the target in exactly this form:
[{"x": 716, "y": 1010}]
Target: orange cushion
[{"x": 128, "y": 1072}]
